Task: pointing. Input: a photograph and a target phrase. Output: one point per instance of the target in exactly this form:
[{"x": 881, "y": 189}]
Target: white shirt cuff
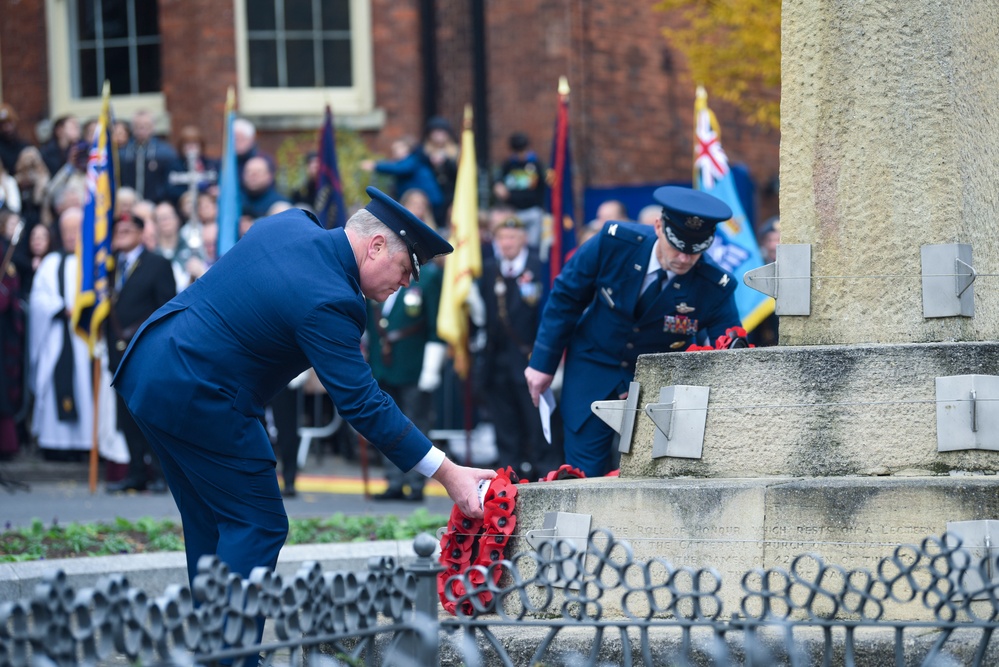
[{"x": 429, "y": 464}]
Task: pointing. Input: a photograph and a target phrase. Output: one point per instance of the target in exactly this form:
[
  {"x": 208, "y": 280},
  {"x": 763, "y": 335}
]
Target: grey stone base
[
  {"x": 813, "y": 411},
  {"x": 734, "y": 526}
]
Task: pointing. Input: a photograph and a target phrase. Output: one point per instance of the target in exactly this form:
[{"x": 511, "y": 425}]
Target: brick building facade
[{"x": 631, "y": 105}]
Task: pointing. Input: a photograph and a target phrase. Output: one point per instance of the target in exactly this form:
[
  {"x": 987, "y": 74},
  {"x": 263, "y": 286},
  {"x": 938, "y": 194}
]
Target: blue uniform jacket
[
  {"x": 590, "y": 315},
  {"x": 287, "y": 296}
]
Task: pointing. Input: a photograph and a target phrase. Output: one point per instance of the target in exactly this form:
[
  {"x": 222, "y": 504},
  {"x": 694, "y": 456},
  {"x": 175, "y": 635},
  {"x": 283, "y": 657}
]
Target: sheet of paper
[{"x": 546, "y": 406}]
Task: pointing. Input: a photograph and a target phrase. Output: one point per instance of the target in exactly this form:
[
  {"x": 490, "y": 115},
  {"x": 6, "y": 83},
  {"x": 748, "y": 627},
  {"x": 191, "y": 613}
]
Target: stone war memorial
[{"x": 875, "y": 422}]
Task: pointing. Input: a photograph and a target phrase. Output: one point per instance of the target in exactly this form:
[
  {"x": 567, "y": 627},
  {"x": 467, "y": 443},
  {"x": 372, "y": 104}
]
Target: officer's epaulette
[
  {"x": 716, "y": 275},
  {"x": 627, "y": 231}
]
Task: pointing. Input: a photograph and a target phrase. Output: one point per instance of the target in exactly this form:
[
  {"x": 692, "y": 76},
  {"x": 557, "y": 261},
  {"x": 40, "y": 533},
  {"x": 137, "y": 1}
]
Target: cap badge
[
  {"x": 694, "y": 222},
  {"x": 684, "y": 308}
]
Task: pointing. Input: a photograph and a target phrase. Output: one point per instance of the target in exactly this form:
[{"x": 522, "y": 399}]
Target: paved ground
[{"x": 59, "y": 492}]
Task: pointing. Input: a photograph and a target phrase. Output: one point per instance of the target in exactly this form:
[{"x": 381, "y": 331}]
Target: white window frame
[
  {"x": 356, "y": 100},
  {"x": 61, "y": 99}
]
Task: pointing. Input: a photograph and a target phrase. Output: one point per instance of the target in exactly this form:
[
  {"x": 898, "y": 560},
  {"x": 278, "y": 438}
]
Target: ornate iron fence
[{"x": 810, "y": 613}]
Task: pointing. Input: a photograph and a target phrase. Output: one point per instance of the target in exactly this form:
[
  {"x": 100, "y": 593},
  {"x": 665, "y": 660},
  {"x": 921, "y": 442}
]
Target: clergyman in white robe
[{"x": 46, "y": 341}]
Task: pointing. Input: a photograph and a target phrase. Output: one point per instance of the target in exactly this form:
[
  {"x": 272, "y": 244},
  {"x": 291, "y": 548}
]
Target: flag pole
[
  {"x": 467, "y": 382},
  {"x": 94, "y": 442},
  {"x": 94, "y": 446}
]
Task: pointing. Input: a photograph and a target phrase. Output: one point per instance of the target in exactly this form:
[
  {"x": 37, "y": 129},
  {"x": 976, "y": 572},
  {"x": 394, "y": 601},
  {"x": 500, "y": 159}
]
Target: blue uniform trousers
[
  {"x": 230, "y": 506},
  {"x": 592, "y": 449}
]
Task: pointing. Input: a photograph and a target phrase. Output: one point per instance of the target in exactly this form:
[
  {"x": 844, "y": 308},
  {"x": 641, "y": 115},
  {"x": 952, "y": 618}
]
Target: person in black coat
[
  {"x": 143, "y": 281},
  {"x": 512, "y": 292}
]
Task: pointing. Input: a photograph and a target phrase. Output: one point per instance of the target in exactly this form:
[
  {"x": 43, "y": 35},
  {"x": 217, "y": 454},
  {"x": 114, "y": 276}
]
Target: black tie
[{"x": 648, "y": 297}]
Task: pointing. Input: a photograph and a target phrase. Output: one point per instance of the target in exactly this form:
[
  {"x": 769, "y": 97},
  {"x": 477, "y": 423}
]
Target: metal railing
[{"x": 924, "y": 604}]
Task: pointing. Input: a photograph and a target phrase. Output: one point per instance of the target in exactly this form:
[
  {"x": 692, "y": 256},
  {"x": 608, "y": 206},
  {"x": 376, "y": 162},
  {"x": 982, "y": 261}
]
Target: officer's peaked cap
[
  {"x": 690, "y": 217},
  {"x": 423, "y": 242}
]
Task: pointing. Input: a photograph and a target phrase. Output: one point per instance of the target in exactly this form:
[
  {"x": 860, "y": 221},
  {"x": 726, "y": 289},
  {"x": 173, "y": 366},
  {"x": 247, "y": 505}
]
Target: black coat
[
  {"x": 148, "y": 286},
  {"x": 513, "y": 313}
]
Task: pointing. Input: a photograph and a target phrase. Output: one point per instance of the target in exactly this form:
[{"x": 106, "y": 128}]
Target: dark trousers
[
  {"x": 593, "y": 448},
  {"x": 229, "y": 506},
  {"x": 138, "y": 448},
  {"x": 284, "y": 406}
]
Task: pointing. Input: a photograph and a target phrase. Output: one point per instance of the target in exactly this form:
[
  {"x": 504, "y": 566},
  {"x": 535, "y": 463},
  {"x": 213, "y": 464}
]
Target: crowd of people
[{"x": 165, "y": 238}]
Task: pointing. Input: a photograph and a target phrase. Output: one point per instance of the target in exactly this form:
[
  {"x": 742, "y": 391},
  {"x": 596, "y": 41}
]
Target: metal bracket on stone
[
  {"x": 620, "y": 415},
  {"x": 573, "y": 531},
  {"x": 947, "y": 280},
  {"x": 680, "y": 417},
  {"x": 975, "y": 559},
  {"x": 967, "y": 412},
  {"x": 788, "y": 280}
]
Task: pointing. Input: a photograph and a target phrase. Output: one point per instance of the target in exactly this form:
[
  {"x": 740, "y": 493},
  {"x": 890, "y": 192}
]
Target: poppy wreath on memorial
[
  {"x": 469, "y": 542},
  {"x": 733, "y": 338}
]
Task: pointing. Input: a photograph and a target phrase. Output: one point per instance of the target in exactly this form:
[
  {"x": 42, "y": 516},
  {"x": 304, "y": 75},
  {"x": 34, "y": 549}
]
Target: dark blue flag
[{"x": 329, "y": 192}]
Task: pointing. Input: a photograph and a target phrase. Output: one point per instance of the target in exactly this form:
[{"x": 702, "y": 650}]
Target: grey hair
[
  {"x": 366, "y": 225},
  {"x": 244, "y": 127}
]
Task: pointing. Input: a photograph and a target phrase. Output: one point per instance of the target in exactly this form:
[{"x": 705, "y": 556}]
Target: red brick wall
[
  {"x": 398, "y": 70},
  {"x": 199, "y": 64},
  {"x": 24, "y": 58}
]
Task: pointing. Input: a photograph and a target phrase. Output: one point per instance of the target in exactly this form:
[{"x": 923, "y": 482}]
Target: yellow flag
[{"x": 465, "y": 264}]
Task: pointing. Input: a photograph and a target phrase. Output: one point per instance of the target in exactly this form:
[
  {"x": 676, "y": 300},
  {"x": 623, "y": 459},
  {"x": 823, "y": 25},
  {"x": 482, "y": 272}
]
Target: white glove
[
  {"x": 298, "y": 381},
  {"x": 433, "y": 361},
  {"x": 476, "y": 306}
]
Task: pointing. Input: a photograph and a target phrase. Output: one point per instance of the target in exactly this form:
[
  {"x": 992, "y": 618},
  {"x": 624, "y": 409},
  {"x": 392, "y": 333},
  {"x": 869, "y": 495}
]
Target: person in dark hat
[
  {"x": 289, "y": 295},
  {"x": 624, "y": 293},
  {"x": 521, "y": 185},
  {"x": 143, "y": 281}
]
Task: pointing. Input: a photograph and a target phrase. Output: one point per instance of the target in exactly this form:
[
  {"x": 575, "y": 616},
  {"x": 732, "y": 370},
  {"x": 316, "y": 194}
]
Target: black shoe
[
  {"x": 157, "y": 486},
  {"x": 289, "y": 491},
  {"x": 127, "y": 484},
  {"x": 415, "y": 496},
  {"x": 390, "y": 494}
]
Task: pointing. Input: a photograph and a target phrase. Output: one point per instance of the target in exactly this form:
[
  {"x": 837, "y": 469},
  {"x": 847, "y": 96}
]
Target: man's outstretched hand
[{"x": 462, "y": 485}]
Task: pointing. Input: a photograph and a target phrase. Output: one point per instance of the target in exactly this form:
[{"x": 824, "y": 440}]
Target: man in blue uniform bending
[
  {"x": 624, "y": 293},
  {"x": 199, "y": 372}
]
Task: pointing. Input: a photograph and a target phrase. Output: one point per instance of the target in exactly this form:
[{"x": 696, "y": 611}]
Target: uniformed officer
[
  {"x": 289, "y": 295},
  {"x": 624, "y": 293}
]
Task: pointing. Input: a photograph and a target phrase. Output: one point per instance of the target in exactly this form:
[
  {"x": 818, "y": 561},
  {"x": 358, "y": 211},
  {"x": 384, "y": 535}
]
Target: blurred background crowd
[{"x": 171, "y": 190}]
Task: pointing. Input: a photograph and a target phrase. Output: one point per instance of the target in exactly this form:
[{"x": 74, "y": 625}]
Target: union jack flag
[
  {"x": 710, "y": 161},
  {"x": 734, "y": 248}
]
